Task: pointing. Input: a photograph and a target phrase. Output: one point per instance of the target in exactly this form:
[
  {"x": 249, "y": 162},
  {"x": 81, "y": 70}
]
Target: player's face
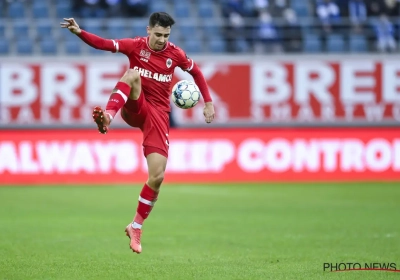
[{"x": 158, "y": 36}]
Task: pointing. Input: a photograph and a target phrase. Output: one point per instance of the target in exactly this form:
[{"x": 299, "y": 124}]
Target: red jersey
[{"x": 155, "y": 67}]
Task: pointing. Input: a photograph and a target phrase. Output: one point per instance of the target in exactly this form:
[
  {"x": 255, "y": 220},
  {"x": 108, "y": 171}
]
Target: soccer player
[{"x": 143, "y": 95}]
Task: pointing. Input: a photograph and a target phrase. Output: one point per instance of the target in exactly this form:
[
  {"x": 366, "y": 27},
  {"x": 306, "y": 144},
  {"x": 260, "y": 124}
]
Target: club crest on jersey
[
  {"x": 169, "y": 62},
  {"x": 145, "y": 54}
]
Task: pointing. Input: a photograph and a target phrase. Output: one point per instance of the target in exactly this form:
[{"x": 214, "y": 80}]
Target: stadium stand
[{"x": 205, "y": 26}]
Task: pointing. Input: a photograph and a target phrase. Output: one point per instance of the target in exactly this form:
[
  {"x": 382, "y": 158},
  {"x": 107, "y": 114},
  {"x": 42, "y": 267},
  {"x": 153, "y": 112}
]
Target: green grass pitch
[{"x": 243, "y": 231}]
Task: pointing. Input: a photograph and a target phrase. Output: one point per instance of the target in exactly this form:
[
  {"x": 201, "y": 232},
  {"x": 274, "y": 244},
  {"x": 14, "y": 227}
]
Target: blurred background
[
  {"x": 294, "y": 69},
  {"x": 233, "y": 26}
]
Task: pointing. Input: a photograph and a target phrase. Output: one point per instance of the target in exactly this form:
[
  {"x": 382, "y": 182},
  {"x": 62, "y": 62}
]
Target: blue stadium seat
[
  {"x": 301, "y": 8},
  {"x": 44, "y": 28},
  {"x": 21, "y": 29},
  {"x": 16, "y": 9},
  {"x": 137, "y": 27},
  {"x": 73, "y": 46},
  {"x": 4, "y": 46},
  {"x": 335, "y": 43},
  {"x": 116, "y": 29},
  {"x": 41, "y": 2},
  {"x": 24, "y": 46},
  {"x": 205, "y": 10},
  {"x": 182, "y": 9},
  {"x": 69, "y": 2},
  {"x": 216, "y": 45},
  {"x": 40, "y": 10},
  {"x": 212, "y": 27},
  {"x": 312, "y": 44},
  {"x": 193, "y": 46},
  {"x": 302, "y": 11},
  {"x": 249, "y": 6},
  {"x": 90, "y": 12},
  {"x": 2, "y": 29},
  {"x": 92, "y": 26},
  {"x": 188, "y": 29},
  {"x": 48, "y": 46},
  {"x": 158, "y": 6},
  {"x": 358, "y": 43},
  {"x": 301, "y": 2},
  {"x": 93, "y": 51},
  {"x": 241, "y": 45},
  {"x": 64, "y": 34},
  {"x": 63, "y": 10},
  {"x": 175, "y": 37}
]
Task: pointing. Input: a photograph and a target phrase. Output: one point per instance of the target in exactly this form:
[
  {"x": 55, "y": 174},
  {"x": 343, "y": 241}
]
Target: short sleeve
[
  {"x": 125, "y": 46},
  {"x": 185, "y": 62}
]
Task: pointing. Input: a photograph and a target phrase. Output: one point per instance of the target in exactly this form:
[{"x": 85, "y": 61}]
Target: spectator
[
  {"x": 357, "y": 11},
  {"x": 328, "y": 12},
  {"x": 357, "y": 14},
  {"x": 392, "y": 7},
  {"x": 268, "y": 39},
  {"x": 135, "y": 8},
  {"x": 375, "y": 7},
  {"x": 385, "y": 34},
  {"x": 260, "y": 6},
  {"x": 288, "y": 27},
  {"x": 234, "y": 13},
  {"x": 292, "y": 32}
]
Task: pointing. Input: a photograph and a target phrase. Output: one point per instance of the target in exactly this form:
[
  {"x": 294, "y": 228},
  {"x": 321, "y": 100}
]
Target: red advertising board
[
  {"x": 204, "y": 156},
  {"x": 266, "y": 90}
]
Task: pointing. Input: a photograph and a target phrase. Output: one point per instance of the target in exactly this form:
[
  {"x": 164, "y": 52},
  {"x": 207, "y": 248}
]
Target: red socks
[
  {"x": 118, "y": 98},
  {"x": 147, "y": 198}
]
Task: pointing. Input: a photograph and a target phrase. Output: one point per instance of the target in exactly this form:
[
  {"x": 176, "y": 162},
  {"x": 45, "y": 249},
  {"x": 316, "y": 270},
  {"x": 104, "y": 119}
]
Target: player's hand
[
  {"x": 71, "y": 24},
  {"x": 208, "y": 112}
]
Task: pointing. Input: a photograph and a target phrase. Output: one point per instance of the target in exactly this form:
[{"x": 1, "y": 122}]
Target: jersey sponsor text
[{"x": 156, "y": 76}]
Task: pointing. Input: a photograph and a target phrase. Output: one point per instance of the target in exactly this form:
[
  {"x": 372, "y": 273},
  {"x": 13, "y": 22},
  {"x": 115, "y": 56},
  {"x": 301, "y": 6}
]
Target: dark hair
[{"x": 162, "y": 19}]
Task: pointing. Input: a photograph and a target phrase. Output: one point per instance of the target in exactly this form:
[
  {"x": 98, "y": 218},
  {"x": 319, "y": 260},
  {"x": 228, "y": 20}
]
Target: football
[{"x": 185, "y": 94}]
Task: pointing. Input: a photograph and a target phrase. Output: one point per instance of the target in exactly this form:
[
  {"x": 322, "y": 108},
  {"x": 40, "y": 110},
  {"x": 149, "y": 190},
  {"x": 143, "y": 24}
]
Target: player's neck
[{"x": 153, "y": 48}]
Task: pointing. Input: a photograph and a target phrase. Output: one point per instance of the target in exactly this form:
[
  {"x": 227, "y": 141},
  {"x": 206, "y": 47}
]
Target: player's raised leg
[
  {"x": 128, "y": 87},
  {"x": 148, "y": 196}
]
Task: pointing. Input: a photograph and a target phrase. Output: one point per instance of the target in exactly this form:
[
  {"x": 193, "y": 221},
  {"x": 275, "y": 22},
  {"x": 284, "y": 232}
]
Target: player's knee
[
  {"x": 156, "y": 179},
  {"x": 132, "y": 75}
]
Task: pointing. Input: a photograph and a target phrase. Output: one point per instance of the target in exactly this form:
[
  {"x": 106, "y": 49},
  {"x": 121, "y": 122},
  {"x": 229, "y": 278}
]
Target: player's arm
[
  {"x": 94, "y": 40},
  {"x": 200, "y": 81}
]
